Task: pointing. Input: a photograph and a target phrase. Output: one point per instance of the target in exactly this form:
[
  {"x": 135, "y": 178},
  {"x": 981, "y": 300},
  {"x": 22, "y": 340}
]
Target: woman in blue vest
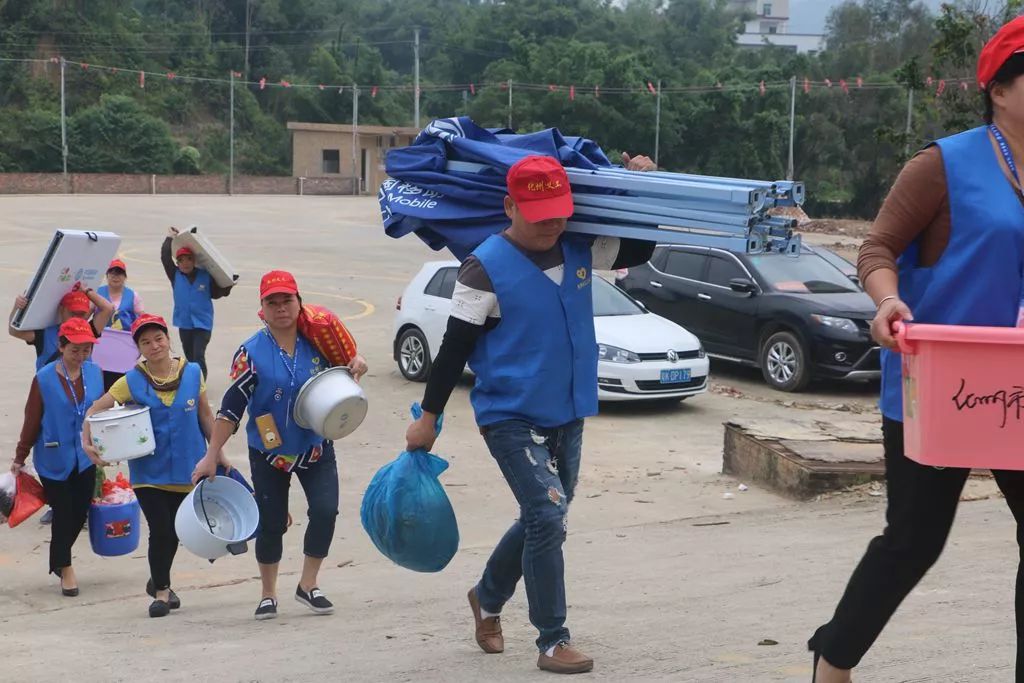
[
  {"x": 959, "y": 263},
  {"x": 127, "y": 307},
  {"x": 175, "y": 394},
  {"x": 194, "y": 292},
  {"x": 268, "y": 371},
  {"x": 58, "y": 400},
  {"x": 78, "y": 303}
]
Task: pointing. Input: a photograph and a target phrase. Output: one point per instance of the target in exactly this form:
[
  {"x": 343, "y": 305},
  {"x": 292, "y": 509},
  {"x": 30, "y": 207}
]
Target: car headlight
[
  {"x": 616, "y": 355},
  {"x": 700, "y": 350},
  {"x": 844, "y": 324}
]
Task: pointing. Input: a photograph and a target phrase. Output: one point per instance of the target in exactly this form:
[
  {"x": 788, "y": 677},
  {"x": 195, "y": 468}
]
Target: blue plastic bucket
[{"x": 114, "y": 529}]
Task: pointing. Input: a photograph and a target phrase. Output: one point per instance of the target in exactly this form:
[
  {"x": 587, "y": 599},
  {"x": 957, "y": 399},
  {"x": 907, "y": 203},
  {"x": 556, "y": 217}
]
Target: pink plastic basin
[{"x": 963, "y": 395}]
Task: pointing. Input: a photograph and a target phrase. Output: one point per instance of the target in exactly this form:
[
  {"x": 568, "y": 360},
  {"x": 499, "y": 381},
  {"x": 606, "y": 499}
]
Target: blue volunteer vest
[
  {"x": 51, "y": 337},
  {"x": 977, "y": 280},
  {"x": 275, "y": 395},
  {"x": 125, "y": 310},
  {"x": 540, "y": 363},
  {"x": 58, "y": 450},
  {"x": 180, "y": 443},
  {"x": 193, "y": 302}
]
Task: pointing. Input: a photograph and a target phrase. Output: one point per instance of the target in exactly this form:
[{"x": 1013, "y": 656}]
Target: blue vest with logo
[
  {"x": 193, "y": 302},
  {"x": 58, "y": 450},
  {"x": 125, "y": 310},
  {"x": 51, "y": 346},
  {"x": 540, "y": 363},
  {"x": 276, "y": 391},
  {"x": 180, "y": 443},
  {"x": 977, "y": 280}
]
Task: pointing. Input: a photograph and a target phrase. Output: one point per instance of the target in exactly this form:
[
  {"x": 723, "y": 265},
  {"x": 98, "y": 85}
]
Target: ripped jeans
[{"x": 541, "y": 466}]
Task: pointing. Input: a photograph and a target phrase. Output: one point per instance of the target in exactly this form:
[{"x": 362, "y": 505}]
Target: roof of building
[{"x": 347, "y": 128}]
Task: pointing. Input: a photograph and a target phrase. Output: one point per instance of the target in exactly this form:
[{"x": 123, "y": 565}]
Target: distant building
[
  {"x": 768, "y": 23},
  {"x": 325, "y": 150}
]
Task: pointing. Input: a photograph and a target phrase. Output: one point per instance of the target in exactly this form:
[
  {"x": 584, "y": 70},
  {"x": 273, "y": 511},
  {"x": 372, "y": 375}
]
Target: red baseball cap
[
  {"x": 1008, "y": 41},
  {"x": 184, "y": 251},
  {"x": 278, "y": 282},
  {"x": 117, "y": 263},
  {"x": 76, "y": 302},
  {"x": 146, "y": 320},
  {"x": 540, "y": 188},
  {"x": 77, "y": 331}
]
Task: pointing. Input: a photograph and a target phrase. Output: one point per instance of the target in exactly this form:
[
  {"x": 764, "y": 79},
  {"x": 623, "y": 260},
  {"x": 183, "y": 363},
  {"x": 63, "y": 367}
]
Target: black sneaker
[
  {"x": 174, "y": 601},
  {"x": 267, "y": 609},
  {"x": 314, "y": 600},
  {"x": 159, "y": 608}
]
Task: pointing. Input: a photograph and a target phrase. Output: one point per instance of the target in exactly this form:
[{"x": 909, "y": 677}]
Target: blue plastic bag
[{"x": 406, "y": 512}]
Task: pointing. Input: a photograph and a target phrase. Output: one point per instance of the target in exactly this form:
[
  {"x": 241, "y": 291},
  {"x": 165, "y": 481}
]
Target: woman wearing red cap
[
  {"x": 268, "y": 371},
  {"x": 78, "y": 303},
  {"x": 175, "y": 393},
  {"x": 127, "y": 303},
  {"x": 54, "y": 413},
  {"x": 194, "y": 292},
  {"x": 947, "y": 248}
]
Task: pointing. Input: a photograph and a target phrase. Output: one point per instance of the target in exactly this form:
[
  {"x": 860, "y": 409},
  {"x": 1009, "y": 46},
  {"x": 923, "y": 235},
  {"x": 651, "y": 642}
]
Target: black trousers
[
  {"x": 69, "y": 498},
  {"x": 160, "y": 507},
  {"x": 193, "y": 345},
  {"x": 921, "y": 506}
]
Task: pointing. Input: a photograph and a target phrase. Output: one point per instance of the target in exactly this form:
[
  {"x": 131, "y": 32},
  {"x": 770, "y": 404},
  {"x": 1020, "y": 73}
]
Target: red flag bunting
[
  {"x": 286, "y": 84},
  {"x": 828, "y": 83},
  {"x": 963, "y": 85},
  {"x": 572, "y": 93},
  {"x": 941, "y": 89},
  {"x": 85, "y": 66},
  {"x": 171, "y": 75},
  {"x": 552, "y": 88},
  {"x": 842, "y": 84},
  {"x": 373, "y": 91},
  {"x": 504, "y": 85},
  {"x": 807, "y": 85},
  {"x": 928, "y": 81},
  {"x": 142, "y": 79},
  {"x": 54, "y": 60},
  {"x": 651, "y": 88},
  {"x": 236, "y": 74},
  {"x": 114, "y": 70},
  {"x": 263, "y": 83},
  {"x": 321, "y": 86},
  {"x": 860, "y": 82},
  {"x": 472, "y": 89}
]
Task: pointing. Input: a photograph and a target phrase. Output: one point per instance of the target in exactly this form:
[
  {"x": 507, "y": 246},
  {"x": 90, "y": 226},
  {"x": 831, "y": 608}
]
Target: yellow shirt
[{"x": 123, "y": 394}]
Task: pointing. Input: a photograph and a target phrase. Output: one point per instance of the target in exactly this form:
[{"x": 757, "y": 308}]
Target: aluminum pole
[
  {"x": 356, "y": 180},
  {"x": 657, "y": 124},
  {"x": 231, "y": 145},
  {"x": 792, "y": 126},
  {"x": 416, "y": 79},
  {"x": 510, "y": 104},
  {"x": 63, "y": 122},
  {"x": 910, "y": 119}
]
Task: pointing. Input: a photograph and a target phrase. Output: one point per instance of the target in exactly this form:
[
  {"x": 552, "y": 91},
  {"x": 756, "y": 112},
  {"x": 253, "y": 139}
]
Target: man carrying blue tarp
[{"x": 522, "y": 316}]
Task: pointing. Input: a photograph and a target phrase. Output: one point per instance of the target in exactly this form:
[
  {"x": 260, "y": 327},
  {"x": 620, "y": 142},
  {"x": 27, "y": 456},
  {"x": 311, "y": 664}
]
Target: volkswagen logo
[{"x": 672, "y": 356}]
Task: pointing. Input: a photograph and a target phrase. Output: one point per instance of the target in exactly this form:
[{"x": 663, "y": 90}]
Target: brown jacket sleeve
[
  {"x": 32, "y": 425},
  {"x": 917, "y": 208}
]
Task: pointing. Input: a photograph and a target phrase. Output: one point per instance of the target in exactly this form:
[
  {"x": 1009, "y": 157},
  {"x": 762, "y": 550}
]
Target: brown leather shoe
[
  {"x": 565, "y": 660},
  {"x": 488, "y": 631}
]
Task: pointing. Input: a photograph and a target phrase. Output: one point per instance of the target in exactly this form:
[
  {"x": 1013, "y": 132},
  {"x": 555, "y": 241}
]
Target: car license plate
[{"x": 675, "y": 376}]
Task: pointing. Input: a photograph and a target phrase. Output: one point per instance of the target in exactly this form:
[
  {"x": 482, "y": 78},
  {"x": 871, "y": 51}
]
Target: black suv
[{"x": 796, "y": 318}]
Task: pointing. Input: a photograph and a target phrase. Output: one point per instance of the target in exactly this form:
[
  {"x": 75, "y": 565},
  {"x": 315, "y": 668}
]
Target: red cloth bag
[{"x": 28, "y": 498}]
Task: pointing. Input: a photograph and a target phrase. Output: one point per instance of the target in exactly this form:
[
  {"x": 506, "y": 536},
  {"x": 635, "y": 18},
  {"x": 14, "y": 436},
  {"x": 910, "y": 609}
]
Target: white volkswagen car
[{"x": 641, "y": 355}]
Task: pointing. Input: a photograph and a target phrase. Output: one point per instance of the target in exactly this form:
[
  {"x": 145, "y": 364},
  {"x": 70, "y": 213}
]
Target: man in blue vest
[
  {"x": 194, "y": 292},
  {"x": 522, "y": 316}
]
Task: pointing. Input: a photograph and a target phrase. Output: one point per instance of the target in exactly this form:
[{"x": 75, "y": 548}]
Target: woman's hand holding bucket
[{"x": 891, "y": 311}]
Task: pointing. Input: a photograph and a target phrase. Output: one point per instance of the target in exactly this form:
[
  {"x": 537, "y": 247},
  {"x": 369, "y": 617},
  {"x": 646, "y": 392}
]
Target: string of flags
[{"x": 937, "y": 86}]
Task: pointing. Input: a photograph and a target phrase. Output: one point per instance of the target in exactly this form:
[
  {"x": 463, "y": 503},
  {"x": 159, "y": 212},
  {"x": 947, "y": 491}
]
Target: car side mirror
[{"x": 742, "y": 285}]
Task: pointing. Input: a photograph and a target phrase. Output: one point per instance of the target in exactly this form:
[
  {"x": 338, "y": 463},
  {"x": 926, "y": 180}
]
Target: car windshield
[
  {"x": 806, "y": 274},
  {"x": 610, "y": 300}
]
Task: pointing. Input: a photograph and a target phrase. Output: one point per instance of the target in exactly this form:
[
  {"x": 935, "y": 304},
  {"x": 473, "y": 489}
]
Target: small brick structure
[{"x": 143, "y": 183}]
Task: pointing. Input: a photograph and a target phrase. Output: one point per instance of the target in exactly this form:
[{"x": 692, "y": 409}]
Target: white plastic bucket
[
  {"x": 123, "y": 433},
  {"x": 330, "y": 403},
  {"x": 217, "y": 518}
]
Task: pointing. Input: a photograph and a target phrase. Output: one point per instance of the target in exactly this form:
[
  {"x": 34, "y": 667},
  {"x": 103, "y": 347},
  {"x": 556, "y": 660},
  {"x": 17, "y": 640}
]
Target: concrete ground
[{"x": 668, "y": 580}]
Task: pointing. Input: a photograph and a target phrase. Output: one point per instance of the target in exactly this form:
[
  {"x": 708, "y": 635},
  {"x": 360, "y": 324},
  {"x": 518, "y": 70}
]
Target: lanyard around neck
[
  {"x": 293, "y": 368},
  {"x": 1007, "y": 155},
  {"x": 79, "y": 407}
]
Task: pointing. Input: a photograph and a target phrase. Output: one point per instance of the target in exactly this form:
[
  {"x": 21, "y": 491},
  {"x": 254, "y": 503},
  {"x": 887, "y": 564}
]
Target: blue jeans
[
  {"x": 541, "y": 466},
  {"x": 320, "y": 482}
]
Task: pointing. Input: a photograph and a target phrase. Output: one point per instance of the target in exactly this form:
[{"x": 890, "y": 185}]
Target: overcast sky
[{"x": 808, "y": 16}]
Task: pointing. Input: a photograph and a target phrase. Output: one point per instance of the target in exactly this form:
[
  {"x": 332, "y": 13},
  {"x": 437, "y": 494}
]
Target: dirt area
[{"x": 675, "y": 572}]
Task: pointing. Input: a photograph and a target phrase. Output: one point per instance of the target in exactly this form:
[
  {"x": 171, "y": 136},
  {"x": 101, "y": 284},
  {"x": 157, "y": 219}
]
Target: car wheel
[
  {"x": 784, "y": 362},
  {"x": 413, "y": 355}
]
